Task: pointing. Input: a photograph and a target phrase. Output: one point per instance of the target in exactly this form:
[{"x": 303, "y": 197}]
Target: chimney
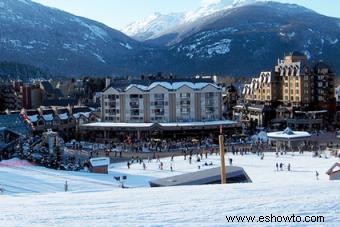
[{"x": 107, "y": 82}]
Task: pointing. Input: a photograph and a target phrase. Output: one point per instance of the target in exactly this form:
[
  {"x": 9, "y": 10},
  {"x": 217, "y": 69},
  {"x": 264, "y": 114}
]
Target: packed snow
[
  {"x": 221, "y": 47},
  {"x": 290, "y": 35},
  {"x": 157, "y": 24},
  {"x": 95, "y": 30},
  {"x": 206, "y": 51},
  {"x": 153, "y": 25},
  {"x": 34, "y": 195},
  {"x": 99, "y": 57},
  {"x": 126, "y": 45}
]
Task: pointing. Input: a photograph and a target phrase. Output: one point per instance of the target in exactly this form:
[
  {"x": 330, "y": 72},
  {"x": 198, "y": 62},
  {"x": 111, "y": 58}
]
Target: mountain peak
[
  {"x": 151, "y": 26},
  {"x": 158, "y": 24}
]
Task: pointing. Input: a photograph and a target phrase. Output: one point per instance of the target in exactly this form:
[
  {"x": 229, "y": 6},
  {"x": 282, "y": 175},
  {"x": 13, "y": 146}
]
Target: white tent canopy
[{"x": 288, "y": 138}]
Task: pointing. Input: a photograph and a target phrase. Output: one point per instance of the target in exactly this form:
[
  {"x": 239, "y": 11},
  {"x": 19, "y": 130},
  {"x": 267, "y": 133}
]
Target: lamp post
[{"x": 221, "y": 143}]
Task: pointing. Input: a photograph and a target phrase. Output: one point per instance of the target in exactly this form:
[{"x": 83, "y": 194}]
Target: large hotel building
[
  {"x": 157, "y": 107},
  {"x": 296, "y": 92},
  {"x": 159, "y": 101}
]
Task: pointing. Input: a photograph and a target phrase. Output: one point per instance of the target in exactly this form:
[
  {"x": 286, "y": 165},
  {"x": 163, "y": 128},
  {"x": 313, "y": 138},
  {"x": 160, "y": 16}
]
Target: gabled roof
[
  {"x": 49, "y": 89},
  {"x": 147, "y": 85},
  {"x": 47, "y": 86}
]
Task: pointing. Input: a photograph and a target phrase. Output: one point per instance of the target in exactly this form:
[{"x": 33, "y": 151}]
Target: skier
[
  {"x": 288, "y": 167},
  {"x": 144, "y": 166},
  {"x": 317, "y": 175},
  {"x": 277, "y": 166},
  {"x": 230, "y": 161},
  {"x": 171, "y": 167},
  {"x": 66, "y": 187},
  {"x": 128, "y": 165},
  {"x": 281, "y": 166}
]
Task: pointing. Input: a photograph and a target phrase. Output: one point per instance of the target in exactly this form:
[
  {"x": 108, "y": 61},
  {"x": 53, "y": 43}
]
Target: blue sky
[{"x": 119, "y": 13}]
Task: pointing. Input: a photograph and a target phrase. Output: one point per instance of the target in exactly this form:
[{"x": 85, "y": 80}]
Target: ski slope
[{"x": 96, "y": 200}]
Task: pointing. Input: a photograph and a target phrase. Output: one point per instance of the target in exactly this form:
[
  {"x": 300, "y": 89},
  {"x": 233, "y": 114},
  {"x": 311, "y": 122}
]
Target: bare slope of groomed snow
[{"x": 95, "y": 200}]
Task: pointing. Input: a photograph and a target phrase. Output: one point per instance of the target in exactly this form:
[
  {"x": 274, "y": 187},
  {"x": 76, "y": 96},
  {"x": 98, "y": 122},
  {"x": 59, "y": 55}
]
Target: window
[
  {"x": 134, "y": 105},
  {"x": 134, "y": 96},
  {"x": 158, "y": 112},
  {"x": 209, "y": 95},
  {"x": 113, "y": 96},
  {"x": 185, "y": 102},
  {"x": 134, "y": 112},
  {"x": 184, "y": 95},
  {"x": 185, "y": 111},
  {"x": 159, "y": 96}
]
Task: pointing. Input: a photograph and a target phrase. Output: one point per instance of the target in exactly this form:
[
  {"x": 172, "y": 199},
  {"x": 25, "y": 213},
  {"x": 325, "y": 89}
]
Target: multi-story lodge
[
  {"x": 291, "y": 88},
  {"x": 155, "y": 106},
  {"x": 65, "y": 120},
  {"x": 162, "y": 102}
]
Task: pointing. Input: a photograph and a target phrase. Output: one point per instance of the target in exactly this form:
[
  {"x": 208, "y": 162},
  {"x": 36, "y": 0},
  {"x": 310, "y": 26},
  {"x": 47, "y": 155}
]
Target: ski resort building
[{"x": 159, "y": 107}]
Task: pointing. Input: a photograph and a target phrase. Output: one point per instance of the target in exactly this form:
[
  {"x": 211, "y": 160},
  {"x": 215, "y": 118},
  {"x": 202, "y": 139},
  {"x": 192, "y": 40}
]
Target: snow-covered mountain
[
  {"x": 241, "y": 40},
  {"x": 158, "y": 24},
  {"x": 152, "y": 26},
  {"x": 62, "y": 43},
  {"x": 210, "y": 7},
  {"x": 247, "y": 39}
]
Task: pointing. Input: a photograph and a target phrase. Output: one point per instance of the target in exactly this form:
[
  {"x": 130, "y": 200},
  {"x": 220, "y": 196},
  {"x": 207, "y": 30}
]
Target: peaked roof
[
  {"x": 331, "y": 170},
  {"x": 288, "y": 134},
  {"x": 170, "y": 84},
  {"x": 288, "y": 131}
]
